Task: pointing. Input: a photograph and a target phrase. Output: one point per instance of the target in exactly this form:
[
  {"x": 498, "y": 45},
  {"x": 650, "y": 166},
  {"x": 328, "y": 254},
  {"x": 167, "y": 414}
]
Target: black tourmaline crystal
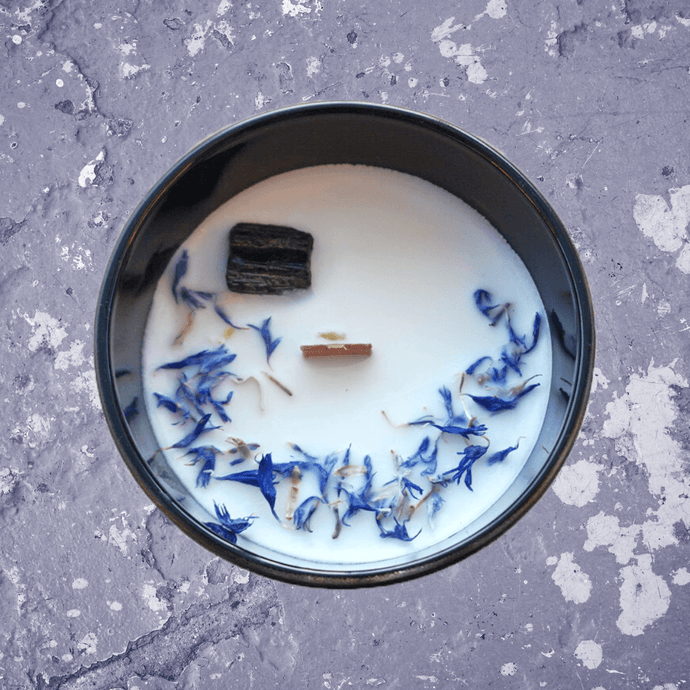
[{"x": 268, "y": 259}]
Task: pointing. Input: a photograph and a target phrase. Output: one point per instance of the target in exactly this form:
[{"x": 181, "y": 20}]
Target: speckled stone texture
[{"x": 590, "y": 99}]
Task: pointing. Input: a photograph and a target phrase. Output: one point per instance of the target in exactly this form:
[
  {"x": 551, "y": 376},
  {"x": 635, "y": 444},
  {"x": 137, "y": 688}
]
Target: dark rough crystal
[{"x": 268, "y": 259}]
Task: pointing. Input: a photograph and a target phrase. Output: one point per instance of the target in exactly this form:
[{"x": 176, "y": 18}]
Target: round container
[{"x": 248, "y": 152}]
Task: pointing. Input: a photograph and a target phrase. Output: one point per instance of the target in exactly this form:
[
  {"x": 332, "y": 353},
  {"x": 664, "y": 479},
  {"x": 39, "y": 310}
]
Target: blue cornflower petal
[
  {"x": 495, "y": 404},
  {"x": 265, "y": 332},
  {"x": 501, "y": 455},
  {"x": 357, "y": 500},
  {"x": 208, "y": 455},
  {"x": 219, "y": 310},
  {"x": 447, "y": 401},
  {"x": 473, "y": 367},
  {"x": 164, "y": 401},
  {"x": 483, "y": 300},
  {"x": 418, "y": 456},
  {"x": 304, "y": 511},
  {"x": 191, "y": 299},
  {"x": 470, "y": 455},
  {"x": 196, "y": 432},
  {"x": 398, "y": 532},
  {"x": 249, "y": 477},
  {"x": 411, "y": 487},
  {"x": 265, "y": 477},
  {"x": 229, "y": 528},
  {"x": 434, "y": 504},
  {"x": 465, "y": 432}
]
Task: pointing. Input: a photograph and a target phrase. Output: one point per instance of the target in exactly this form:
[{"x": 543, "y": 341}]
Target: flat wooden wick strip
[{"x": 339, "y": 350}]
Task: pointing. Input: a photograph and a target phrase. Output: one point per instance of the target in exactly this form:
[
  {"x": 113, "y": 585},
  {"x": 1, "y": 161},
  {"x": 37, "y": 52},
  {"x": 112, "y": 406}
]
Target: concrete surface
[{"x": 590, "y": 99}]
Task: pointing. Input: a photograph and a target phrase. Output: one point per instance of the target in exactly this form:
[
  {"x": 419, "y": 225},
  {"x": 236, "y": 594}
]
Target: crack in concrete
[{"x": 165, "y": 653}]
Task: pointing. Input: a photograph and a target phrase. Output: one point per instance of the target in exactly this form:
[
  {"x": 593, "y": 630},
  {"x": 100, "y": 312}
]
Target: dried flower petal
[
  {"x": 501, "y": 455},
  {"x": 208, "y": 455},
  {"x": 265, "y": 332},
  {"x": 195, "y": 433},
  {"x": 493, "y": 403},
  {"x": 465, "y": 432},
  {"x": 304, "y": 511},
  {"x": 229, "y": 528},
  {"x": 470, "y": 455},
  {"x": 398, "y": 532},
  {"x": 219, "y": 310}
]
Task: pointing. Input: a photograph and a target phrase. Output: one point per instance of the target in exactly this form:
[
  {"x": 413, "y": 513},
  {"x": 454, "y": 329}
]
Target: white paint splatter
[
  {"x": 599, "y": 380},
  {"x": 463, "y": 55},
  {"x": 412, "y": 82},
  {"x": 648, "y": 403},
  {"x": 260, "y": 101},
  {"x": 224, "y": 6},
  {"x": 681, "y": 577},
  {"x": 67, "y": 66},
  {"x": 240, "y": 576},
  {"x": 72, "y": 357},
  {"x": 115, "y": 605},
  {"x": 496, "y": 9},
  {"x": 2, "y": 120},
  {"x": 150, "y": 596},
  {"x": 313, "y": 66},
  {"x": 295, "y": 9},
  {"x": 509, "y": 669},
  {"x": 605, "y": 530},
  {"x": 88, "y": 643},
  {"x": 445, "y": 30},
  {"x": 38, "y": 426},
  {"x": 666, "y": 225},
  {"x": 73, "y": 613},
  {"x": 644, "y": 597},
  {"x": 574, "y": 584},
  {"x": 24, "y": 16},
  {"x": 88, "y": 172},
  {"x": 86, "y": 383},
  {"x": 589, "y": 653},
  {"x": 8, "y": 479},
  {"x": 222, "y": 27},
  {"x": 476, "y": 73},
  {"x": 119, "y": 538},
  {"x": 663, "y": 308},
  {"x": 195, "y": 43},
  {"x": 46, "y": 331},
  {"x": 398, "y": 58},
  {"x": 80, "y": 583},
  {"x": 130, "y": 71},
  {"x": 551, "y": 39},
  {"x": 16, "y": 39},
  {"x": 578, "y": 484}
]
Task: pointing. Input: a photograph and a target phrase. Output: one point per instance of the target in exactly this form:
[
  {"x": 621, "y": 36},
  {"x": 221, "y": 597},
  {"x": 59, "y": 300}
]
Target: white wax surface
[{"x": 395, "y": 263}]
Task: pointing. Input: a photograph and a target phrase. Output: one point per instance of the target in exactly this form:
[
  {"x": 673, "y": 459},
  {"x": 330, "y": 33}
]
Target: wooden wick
[{"x": 337, "y": 350}]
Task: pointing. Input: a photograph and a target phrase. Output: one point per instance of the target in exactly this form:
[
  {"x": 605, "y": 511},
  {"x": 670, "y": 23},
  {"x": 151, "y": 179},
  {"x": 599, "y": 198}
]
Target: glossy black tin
[{"x": 328, "y": 133}]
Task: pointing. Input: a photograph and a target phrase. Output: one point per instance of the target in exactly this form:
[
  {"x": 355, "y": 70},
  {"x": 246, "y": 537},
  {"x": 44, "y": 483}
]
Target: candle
[{"x": 349, "y": 459}]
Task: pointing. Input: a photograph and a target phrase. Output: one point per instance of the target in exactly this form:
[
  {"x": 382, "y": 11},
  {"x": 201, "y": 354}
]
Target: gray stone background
[{"x": 589, "y": 98}]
